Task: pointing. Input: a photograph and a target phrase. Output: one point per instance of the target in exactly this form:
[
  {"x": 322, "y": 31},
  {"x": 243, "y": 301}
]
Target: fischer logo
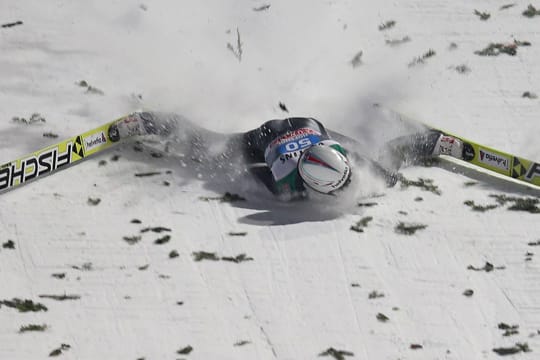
[
  {"x": 34, "y": 166},
  {"x": 93, "y": 141},
  {"x": 534, "y": 171},
  {"x": 495, "y": 160}
]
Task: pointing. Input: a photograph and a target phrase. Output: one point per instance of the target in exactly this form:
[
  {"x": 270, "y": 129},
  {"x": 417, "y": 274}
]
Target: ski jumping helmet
[{"x": 324, "y": 169}]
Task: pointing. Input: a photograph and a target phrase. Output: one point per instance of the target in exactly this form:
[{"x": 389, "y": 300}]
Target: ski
[
  {"x": 60, "y": 155},
  {"x": 503, "y": 163}
]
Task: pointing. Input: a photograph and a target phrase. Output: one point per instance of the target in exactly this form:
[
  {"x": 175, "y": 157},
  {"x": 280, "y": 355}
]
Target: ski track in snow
[{"x": 307, "y": 287}]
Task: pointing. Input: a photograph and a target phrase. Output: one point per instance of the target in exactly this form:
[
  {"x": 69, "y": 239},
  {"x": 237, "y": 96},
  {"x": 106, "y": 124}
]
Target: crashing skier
[{"x": 296, "y": 156}]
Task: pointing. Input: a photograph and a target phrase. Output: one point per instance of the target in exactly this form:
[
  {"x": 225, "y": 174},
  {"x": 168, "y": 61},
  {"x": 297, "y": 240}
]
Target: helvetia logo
[
  {"x": 93, "y": 141},
  {"x": 495, "y": 160}
]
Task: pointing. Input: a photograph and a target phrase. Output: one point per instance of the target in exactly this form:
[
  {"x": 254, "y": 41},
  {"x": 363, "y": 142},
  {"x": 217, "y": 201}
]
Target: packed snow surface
[{"x": 151, "y": 267}]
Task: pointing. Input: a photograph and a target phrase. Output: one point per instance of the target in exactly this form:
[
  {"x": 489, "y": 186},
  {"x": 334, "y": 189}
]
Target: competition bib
[{"x": 283, "y": 153}]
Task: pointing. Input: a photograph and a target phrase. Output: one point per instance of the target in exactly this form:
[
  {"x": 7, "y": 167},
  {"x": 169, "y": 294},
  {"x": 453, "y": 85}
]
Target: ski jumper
[
  {"x": 278, "y": 145},
  {"x": 271, "y": 151}
]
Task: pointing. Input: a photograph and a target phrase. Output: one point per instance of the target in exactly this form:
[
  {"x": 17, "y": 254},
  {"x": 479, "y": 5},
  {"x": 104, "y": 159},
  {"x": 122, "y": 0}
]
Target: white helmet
[{"x": 324, "y": 169}]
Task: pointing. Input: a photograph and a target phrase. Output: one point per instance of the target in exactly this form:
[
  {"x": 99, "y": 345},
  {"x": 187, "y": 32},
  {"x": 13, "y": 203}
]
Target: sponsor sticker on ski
[
  {"x": 445, "y": 144},
  {"x": 496, "y": 160},
  {"x": 94, "y": 141},
  {"x": 19, "y": 172}
]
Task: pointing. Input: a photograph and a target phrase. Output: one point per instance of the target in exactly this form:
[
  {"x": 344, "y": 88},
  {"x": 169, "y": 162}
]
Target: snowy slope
[{"x": 307, "y": 286}]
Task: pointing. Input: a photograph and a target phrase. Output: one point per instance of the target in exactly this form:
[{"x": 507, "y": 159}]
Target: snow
[{"x": 307, "y": 287}]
